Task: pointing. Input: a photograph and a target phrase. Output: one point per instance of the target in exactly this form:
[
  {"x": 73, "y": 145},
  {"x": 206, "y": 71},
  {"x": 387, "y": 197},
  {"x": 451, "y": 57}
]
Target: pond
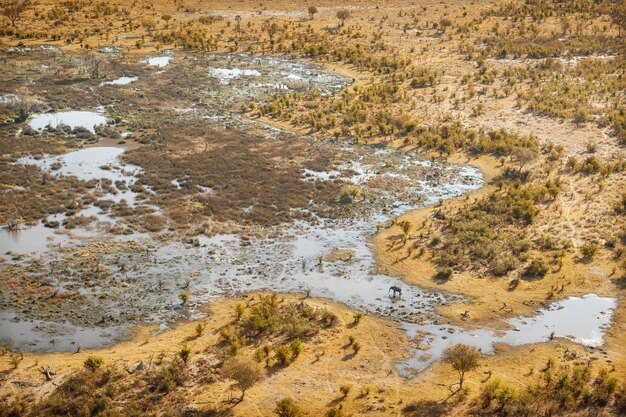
[
  {"x": 121, "y": 81},
  {"x": 85, "y": 119}
]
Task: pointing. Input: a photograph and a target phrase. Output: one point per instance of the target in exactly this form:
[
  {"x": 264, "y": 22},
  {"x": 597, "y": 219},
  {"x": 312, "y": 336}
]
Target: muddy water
[
  {"x": 121, "y": 81},
  {"x": 139, "y": 281},
  {"x": 158, "y": 61},
  {"x": 73, "y": 119},
  {"x": 579, "y": 319},
  {"x": 99, "y": 162},
  {"x": 283, "y": 258},
  {"x": 36, "y": 239},
  {"x": 94, "y": 163}
]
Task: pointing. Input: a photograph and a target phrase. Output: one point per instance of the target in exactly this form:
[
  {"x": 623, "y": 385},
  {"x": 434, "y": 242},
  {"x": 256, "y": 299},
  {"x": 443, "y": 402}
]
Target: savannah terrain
[{"x": 530, "y": 92}]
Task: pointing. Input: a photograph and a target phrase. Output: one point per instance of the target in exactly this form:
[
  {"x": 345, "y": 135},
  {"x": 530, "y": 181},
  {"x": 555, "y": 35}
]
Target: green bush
[
  {"x": 589, "y": 250},
  {"x": 334, "y": 412},
  {"x": 283, "y": 355},
  {"x": 444, "y": 274},
  {"x": 537, "y": 268},
  {"x": 288, "y": 408},
  {"x": 296, "y": 348},
  {"x": 93, "y": 363},
  {"x": 571, "y": 390},
  {"x": 168, "y": 378},
  {"x": 185, "y": 354}
]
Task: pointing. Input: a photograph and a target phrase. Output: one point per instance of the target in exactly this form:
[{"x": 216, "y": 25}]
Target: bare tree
[
  {"x": 523, "y": 156},
  {"x": 238, "y": 20},
  {"x": 618, "y": 16},
  {"x": 312, "y": 11},
  {"x": 271, "y": 28},
  {"x": 463, "y": 358},
  {"x": 13, "y": 9},
  {"x": 245, "y": 372},
  {"x": 342, "y": 15},
  {"x": 565, "y": 26}
]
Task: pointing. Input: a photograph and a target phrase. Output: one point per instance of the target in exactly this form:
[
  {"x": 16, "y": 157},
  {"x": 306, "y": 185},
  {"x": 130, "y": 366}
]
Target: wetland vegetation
[{"x": 204, "y": 205}]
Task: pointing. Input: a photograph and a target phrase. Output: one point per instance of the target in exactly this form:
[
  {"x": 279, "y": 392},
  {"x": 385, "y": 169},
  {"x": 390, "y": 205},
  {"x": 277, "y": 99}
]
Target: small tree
[
  {"x": 185, "y": 354},
  {"x": 238, "y": 20},
  {"x": 537, "y": 268},
  {"x": 13, "y": 9},
  {"x": 283, "y": 355},
  {"x": 445, "y": 23},
  {"x": 618, "y": 16},
  {"x": 200, "y": 327},
  {"x": 345, "y": 390},
  {"x": 16, "y": 358},
  {"x": 271, "y": 28},
  {"x": 93, "y": 363},
  {"x": 245, "y": 372},
  {"x": 184, "y": 297},
  {"x": 334, "y": 412},
  {"x": 342, "y": 15},
  {"x": 312, "y": 11},
  {"x": 463, "y": 358},
  {"x": 588, "y": 251},
  {"x": 239, "y": 310},
  {"x": 296, "y": 348},
  {"x": 523, "y": 156},
  {"x": 288, "y": 408}
]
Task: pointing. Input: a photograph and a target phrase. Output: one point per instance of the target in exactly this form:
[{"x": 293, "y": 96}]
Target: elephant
[{"x": 397, "y": 291}]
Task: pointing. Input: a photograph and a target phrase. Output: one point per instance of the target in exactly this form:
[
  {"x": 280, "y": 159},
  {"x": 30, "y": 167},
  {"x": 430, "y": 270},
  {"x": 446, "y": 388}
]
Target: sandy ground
[{"x": 313, "y": 380}]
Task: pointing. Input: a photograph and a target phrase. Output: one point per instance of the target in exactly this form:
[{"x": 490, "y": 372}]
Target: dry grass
[{"x": 541, "y": 48}]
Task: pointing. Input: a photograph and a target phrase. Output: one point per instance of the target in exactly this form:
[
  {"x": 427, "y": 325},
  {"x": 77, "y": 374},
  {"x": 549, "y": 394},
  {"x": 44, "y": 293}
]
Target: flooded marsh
[{"x": 174, "y": 190}]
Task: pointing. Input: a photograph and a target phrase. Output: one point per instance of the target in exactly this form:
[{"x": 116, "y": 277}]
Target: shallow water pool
[{"x": 86, "y": 119}]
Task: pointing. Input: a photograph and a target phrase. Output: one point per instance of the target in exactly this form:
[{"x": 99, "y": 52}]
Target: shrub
[
  {"x": 572, "y": 389},
  {"x": 93, "y": 363},
  {"x": 283, "y": 355},
  {"x": 588, "y": 251},
  {"x": 356, "y": 347},
  {"x": 537, "y": 268},
  {"x": 345, "y": 390},
  {"x": 168, "y": 378},
  {"x": 288, "y": 408},
  {"x": 342, "y": 15},
  {"x": 620, "y": 205},
  {"x": 16, "y": 358},
  {"x": 334, "y": 412},
  {"x": 296, "y": 348},
  {"x": 185, "y": 354},
  {"x": 620, "y": 401},
  {"x": 489, "y": 393},
  {"x": 444, "y": 274},
  {"x": 604, "y": 387},
  {"x": 581, "y": 116},
  {"x": 263, "y": 354},
  {"x": 263, "y": 316},
  {"x": 329, "y": 319},
  {"x": 200, "y": 327},
  {"x": 239, "y": 310},
  {"x": 184, "y": 297}
]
